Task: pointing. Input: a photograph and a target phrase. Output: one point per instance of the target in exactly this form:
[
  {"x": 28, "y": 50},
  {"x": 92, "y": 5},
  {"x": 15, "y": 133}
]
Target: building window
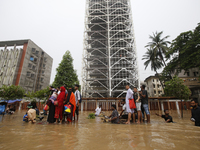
[
  {"x": 158, "y": 85},
  {"x": 154, "y": 92},
  {"x": 33, "y": 67},
  {"x": 188, "y": 74},
  {"x": 44, "y": 65},
  {"x": 42, "y": 79},
  {"x": 32, "y": 75},
  {"x": 154, "y": 86},
  {"x": 33, "y": 50},
  {"x": 28, "y": 74},
  {"x": 29, "y": 65},
  {"x": 195, "y": 73},
  {"x": 153, "y": 80},
  {"x": 157, "y": 80},
  {"x": 31, "y": 58},
  {"x": 37, "y": 52}
]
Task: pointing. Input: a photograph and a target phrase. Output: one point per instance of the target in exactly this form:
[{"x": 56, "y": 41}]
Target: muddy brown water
[{"x": 90, "y": 134}]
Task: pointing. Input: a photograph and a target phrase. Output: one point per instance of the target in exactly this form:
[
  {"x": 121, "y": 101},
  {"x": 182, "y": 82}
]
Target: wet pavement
[{"x": 90, "y": 134}]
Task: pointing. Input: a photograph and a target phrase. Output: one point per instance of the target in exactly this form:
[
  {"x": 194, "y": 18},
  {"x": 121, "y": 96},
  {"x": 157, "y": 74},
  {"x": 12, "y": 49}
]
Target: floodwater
[{"x": 90, "y": 134}]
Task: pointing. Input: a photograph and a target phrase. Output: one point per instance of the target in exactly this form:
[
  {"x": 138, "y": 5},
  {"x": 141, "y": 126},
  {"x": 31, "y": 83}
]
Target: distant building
[
  {"x": 153, "y": 86},
  {"x": 24, "y": 63},
  {"x": 190, "y": 78}
]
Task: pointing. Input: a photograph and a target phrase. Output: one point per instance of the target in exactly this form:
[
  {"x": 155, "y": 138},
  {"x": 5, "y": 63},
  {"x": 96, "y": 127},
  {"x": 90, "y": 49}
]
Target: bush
[{"x": 91, "y": 116}]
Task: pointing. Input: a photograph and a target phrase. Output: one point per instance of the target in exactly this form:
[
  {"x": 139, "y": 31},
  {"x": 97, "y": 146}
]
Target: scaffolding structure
[{"x": 109, "y": 55}]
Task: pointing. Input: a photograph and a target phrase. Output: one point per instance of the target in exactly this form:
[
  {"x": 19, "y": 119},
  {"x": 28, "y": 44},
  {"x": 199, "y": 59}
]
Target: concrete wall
[{"x": 9, "y": 64}]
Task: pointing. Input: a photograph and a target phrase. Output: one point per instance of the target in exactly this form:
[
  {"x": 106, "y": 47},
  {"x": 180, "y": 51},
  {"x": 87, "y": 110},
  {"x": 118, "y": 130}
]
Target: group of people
[
  {"x": 60, "y": 97},
  {"x": 57, "y": 100},
  {"x": 141, "y": 101}
]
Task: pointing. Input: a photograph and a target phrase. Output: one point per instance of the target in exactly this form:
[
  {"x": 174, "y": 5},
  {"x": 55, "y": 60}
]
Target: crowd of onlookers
[
  {"x": 62, "y": 106},
  {"x": 135, "y": 107}
]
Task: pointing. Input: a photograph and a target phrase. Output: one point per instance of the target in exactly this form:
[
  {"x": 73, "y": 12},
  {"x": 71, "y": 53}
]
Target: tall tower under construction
[{"x": 109, "y": 54}]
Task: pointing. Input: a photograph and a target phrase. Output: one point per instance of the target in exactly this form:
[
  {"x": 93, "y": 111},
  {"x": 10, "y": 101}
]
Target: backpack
[{"x": 80, "y": 97}]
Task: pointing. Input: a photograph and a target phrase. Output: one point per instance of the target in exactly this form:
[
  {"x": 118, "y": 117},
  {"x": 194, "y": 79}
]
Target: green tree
[
  {"x": 160, "y": 45},
  {"x": 184, "y": 51},
  {"x": 38, "y": 95},
  {"x": 151, "y": 57},
  {"x": 44, "y": 93},
  {"x": 66, "y": 75},
  {"x": 11, "y": 92},
  {"x": 176, "y": 88}
]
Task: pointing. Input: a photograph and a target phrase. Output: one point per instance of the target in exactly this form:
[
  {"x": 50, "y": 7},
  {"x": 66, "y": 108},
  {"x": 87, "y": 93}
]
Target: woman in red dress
[{"x": 59, "y": 107}]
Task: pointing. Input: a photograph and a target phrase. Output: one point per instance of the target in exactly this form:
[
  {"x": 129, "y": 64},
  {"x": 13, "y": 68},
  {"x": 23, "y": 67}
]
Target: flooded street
[{"x": 94, "y": 134}]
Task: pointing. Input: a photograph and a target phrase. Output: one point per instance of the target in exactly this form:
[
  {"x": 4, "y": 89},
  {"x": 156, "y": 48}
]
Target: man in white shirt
[
  {"x": 77, "y": 97},
  {"x": 129, "y": 95},
  {"x": 98, "y": 110}
]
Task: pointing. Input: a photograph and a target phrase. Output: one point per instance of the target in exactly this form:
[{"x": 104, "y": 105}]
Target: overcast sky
[{"x": 58, "y": 25}]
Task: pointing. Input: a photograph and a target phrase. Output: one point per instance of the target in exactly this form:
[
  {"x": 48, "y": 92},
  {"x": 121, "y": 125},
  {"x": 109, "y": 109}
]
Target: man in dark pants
[
  {"x": 77, "y": 97},
  {"x": 144, "y": 96},
  {"x": 195, "y": 111}
]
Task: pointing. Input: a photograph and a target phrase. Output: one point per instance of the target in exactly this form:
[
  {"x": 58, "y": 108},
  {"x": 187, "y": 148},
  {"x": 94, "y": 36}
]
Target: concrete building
[
  {"x": 109, "y": 55},
  {"x": 24, "y": 63},
  {"x": 190, "y": 78},
  {"x": 153, "y": 86}
]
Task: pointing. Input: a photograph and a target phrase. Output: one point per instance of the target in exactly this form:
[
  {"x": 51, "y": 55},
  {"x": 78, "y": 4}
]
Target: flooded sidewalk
[{"x": 90, "y": 134}]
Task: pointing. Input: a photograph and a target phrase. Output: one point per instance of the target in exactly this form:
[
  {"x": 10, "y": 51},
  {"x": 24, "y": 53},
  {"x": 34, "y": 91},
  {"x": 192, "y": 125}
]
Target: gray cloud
[{"x": 57, "y": 26}]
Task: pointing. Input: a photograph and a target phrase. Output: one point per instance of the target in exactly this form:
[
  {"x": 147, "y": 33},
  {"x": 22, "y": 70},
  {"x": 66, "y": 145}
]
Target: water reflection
[{"x": 94, "y": 134}]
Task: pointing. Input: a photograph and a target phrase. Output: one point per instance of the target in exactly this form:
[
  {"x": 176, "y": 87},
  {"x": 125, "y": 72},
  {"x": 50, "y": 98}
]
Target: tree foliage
[
  {"x": 159, "y": 45},
  {"x": 185, "y": 51},
  {"x": 66, "y": 75},
  {"x": 176, "y": 88},
  {"x": 152, "y": 59},
  {"x": 11, "y": 92},
  {"x": 39, "y": 94}
]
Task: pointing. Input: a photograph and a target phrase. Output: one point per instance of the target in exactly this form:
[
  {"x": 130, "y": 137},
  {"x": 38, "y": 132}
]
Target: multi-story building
[
  {"x": 24, "y": 63},
  {"x": 109, "y": 55},
  {"x": 190, "y": 78},
  {"x": 153, "y": 86}
]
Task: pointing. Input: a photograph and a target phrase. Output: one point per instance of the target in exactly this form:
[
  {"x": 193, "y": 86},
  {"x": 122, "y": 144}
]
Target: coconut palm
[
  {"x": 151, "y": 58},
  {"x": 160, "y": 45}
]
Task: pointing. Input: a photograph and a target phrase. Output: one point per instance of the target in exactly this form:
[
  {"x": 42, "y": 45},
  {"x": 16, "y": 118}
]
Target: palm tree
[
  {"x": 151, "y": 57},
  {"x": 160, "y": 45}
]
